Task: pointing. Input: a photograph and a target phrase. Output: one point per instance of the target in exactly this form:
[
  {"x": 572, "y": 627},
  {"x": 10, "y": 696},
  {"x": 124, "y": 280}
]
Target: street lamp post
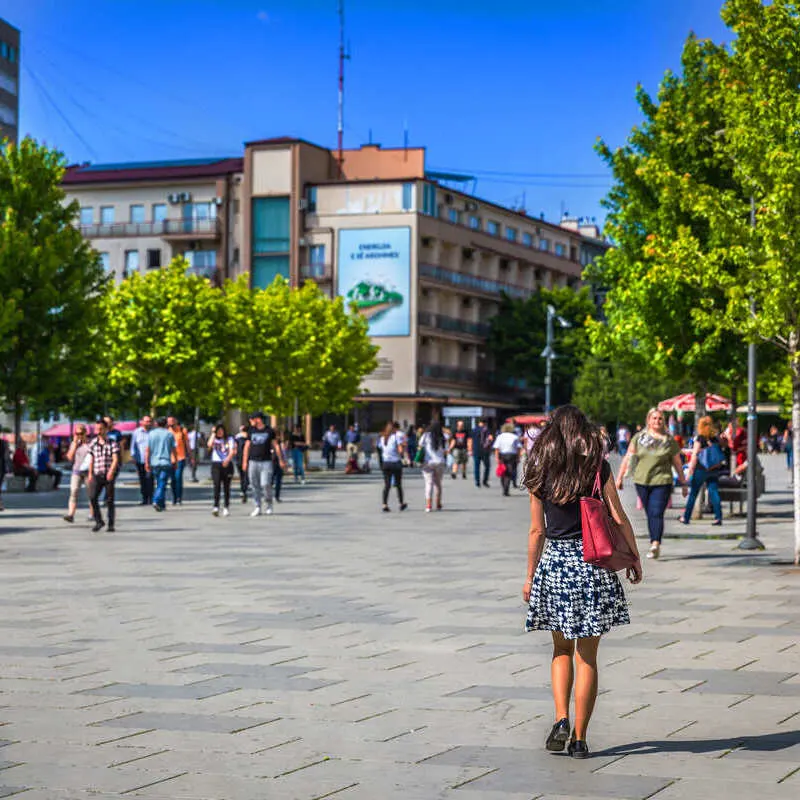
[{"x": 549, "y": 354}]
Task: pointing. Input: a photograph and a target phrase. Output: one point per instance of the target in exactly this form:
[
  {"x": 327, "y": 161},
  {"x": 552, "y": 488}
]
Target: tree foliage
[
  {"x": 51, "y": 282},
  {"x": 518, "y": 336}
]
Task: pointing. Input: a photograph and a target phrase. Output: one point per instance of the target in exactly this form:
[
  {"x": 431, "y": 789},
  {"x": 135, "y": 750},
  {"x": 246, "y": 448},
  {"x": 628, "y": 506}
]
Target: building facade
[
  {"x": 9, "y": 81},
  {"x": 426, "y": 264}
]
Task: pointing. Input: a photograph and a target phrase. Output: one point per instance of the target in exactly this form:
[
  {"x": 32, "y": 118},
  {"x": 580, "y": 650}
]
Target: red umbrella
[{"x": 685, "y": 402}]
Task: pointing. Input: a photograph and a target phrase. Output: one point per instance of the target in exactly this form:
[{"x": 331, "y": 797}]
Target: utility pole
[
  {"x": 751, "y": 540},
  {"x": 342, "y": 57},
  {"x": 550, "y": 354}
]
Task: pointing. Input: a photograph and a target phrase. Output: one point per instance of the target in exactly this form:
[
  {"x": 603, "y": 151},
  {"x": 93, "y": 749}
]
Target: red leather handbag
[{"x": 603, "y": 542}]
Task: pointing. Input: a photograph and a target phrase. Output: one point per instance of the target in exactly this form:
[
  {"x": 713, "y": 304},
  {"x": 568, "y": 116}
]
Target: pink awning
[
  {"x": 685, "y": 402},
  {"x": 63, "y": 429}
]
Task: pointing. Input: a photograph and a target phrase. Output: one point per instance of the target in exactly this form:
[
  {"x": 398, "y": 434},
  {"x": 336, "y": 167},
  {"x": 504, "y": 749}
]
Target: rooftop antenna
[
  {"x": 405, "y": 139},
  {"x": 342, "y": 57}
]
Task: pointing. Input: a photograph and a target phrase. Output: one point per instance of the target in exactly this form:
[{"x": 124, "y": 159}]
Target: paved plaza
[{"x": 334, "y": 651}]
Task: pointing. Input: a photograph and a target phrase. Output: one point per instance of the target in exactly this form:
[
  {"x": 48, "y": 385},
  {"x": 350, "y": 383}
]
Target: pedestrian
[
  {"x": 181, "y": 450},
  {"x": 161, "y": 457},
  {"x": 3, "y": 466},
  {"x": 411, "y": 444},
  {"x": 78, "y": 454},
  {"x": 259, "y": 451},
  {"x": 393, "y": 449},
  {"x": 458, "y": 449},
  {"x": 331, "y": 444},
  {"x": 623, "y": 439},
  {"x": 103, "y": 468},
  {"x": 279, "y": 453},
  {"x": 21, "y": 466},
  {"x": 223, "y": 453},
  {"x": 431, "y": 445},
  {"x": 44, "y": 465},
  {"x": 241, "y": 440},
  {"x": 352, "y": 439},
  {"x": 367, "y": 448},
  {"x": 480, "y": 448},
  {"x": 139, "y": 456},
  {"x": 506, "y": 451},
  {"x": 193, "y": 440},
  {"x": 575, "y": 600},
  {"x": 705, "y": 468},
  {"x": 656, "y": 454}
]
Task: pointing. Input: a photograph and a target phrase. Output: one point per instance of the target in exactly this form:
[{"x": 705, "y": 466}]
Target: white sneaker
[
  {"x": 269, "y": 510},
  {"x": 225, "y": 512},
  {"x": 302, "y": 481},
  {"x": 256, "y": 512},
  {"x": 215, "y": 511}
]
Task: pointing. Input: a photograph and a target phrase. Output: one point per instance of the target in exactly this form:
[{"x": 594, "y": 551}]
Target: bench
[
  {"x": 732, "y": 494},
  {"x": 16, "y": 483}
]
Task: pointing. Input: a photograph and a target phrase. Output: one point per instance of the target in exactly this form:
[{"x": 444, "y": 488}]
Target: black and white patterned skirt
[{"x": 574, "y": 597}]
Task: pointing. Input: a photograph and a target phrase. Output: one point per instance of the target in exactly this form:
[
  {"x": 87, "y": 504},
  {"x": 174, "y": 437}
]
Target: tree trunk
[
  {"x": 795, "y": 459},
  {"x": 699, "y": 405}
]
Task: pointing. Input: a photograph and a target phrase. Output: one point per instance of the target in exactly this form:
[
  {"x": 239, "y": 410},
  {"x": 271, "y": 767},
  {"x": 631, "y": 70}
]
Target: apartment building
[
  {"x": 9, "y": 81},
  {"x": 428, "y": 265}
]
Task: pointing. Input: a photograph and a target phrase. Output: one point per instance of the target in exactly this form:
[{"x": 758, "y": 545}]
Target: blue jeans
[
  {"x": 654, "y": 501},
  {"x": 477, "y": 462},
  {"x": 298, "y": 463},
  {"x": 177, "y": 481},
  {"x": 161, "y": 476},
  {"x": 700, "y": 477}
]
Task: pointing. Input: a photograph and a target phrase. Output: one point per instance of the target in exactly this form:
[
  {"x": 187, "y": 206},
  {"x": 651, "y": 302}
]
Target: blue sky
[{"x": 524, "y": 89}]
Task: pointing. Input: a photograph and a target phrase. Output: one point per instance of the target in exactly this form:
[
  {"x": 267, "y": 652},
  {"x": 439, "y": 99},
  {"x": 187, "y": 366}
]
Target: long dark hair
[
  {"x": 565, "y": 457},
  {"x": 435, "y": 435}
]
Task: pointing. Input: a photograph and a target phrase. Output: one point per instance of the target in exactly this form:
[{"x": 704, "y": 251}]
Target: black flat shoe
[
  {"x": 557, "y": 739},
  {"x": 578, "y": 749},
  {"x": 716, "y": 523}
]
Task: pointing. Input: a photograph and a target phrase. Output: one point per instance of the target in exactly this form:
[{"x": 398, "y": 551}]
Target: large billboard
[{"x": 374, "y": 272}]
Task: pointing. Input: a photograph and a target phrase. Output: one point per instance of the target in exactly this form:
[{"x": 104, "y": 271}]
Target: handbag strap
[{"x": 597, "y": 489}]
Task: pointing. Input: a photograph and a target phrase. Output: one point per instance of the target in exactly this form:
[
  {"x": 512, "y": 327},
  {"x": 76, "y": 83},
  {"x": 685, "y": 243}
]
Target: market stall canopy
[
  {"x": 63, "y": 429},
  {"x": 685, "y": 402},
  {"x": 528, "y": 419}
]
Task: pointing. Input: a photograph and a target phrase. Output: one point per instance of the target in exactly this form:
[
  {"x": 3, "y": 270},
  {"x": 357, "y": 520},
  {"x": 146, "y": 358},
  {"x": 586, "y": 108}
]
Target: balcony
[
  {"x": 320, "y": 273},
  {"x": 208, "y": 228},
  {"x": 440, "y": 322},
  {"x": 473, "y": 283}
]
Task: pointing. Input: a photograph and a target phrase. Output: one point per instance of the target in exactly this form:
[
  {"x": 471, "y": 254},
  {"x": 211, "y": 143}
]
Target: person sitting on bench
[
  {"x": 44, "y": 464},
  {"x": 22, "y": 468}
]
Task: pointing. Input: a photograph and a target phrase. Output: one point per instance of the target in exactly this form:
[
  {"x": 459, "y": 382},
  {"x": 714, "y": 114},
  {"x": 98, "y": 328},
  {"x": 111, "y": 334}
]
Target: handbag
[
  {"x": 501, "y": 470},
  {"x": 711, "y": 457},
  {"x": 603, "y": 542}
]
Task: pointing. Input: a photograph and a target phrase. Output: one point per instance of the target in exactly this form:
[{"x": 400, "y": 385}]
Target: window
[
  {"x": 316, "y": 254},
  {"x": 311, "y": 198},
  {"x": 475, "y": 223},
  {"x": 159, "y": 212},
  {"x": 527, "y": 240},
  {"x": 87, "y": 215},
  {"x": 454, "y": 216},
  {"x": 105, "y": 261},
  {"x": 493, "y": 228},
  {"x": 153, "y": 259},
  {"x": 267, "y": 268},
  {"x": 12, "y": 54},
  {"x": 408, "y": 197},
  {"x": 7, "y": 115},
  {"x": 271, "y": 225},
  {"x": 511, "y": 234},
  {"x": 544, "y": 244},
  {"x": 429, "y": 200},
  {"x": 8, "y": 83},
  {"x": 106, "y": 215},
  {"x": 561, "y": 250},
  {"x": 137, "y": 214},
  {"x": 3, "y": 50},
  {"x": 131, "y": 262},
  {"x": 202, "y": 262}
]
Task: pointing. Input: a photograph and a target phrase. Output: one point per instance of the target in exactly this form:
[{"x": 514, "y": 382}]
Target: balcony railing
[
  {"x": 316, "y": 272},
  {"x": 478, "y": 378},
  {"x": 453, "y": 324},
  {"x": 166, "y": 227},
  {"x": 472, "y": 282}
]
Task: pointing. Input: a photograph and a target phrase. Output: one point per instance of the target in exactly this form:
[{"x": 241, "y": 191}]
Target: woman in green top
[{"x": 656, "y": 454}]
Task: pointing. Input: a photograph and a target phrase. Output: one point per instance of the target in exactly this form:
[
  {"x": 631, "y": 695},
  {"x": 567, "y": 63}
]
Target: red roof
[{"x": 149, "y": 171}]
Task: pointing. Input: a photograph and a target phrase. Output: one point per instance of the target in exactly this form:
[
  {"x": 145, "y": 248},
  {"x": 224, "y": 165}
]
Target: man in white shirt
[{"x": 506, "y": 450}]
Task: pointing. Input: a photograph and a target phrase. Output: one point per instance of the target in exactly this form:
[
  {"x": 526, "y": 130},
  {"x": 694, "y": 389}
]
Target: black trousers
[
  {"x": 145, "y": 483},
  {"x": 392, "y": 470},
  {"x": 31, "y": 474},
  {"x": 100, "y": 482},
  {"x": 277, "y": 478},
  {"x": 222, "y": 477},
  {"x": 330, "y": 457},
  {"x": 511, "y": 472},
  {"x": 243, "y": 481}
]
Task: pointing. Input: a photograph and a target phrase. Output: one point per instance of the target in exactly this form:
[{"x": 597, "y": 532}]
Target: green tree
[
  {"x": 165, "y": 332},
  {"x": 51, "y": 282},
  {"x": 518, "y": 335}
]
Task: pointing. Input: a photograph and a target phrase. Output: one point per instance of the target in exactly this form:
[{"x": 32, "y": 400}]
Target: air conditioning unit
[
  {"x": 302, "y": 204},
  {"x": 186, "y": 197},
  {"x": 174, "y": 199},
  {"x": 449, "y": 199},
  {"x": 471, "y": 206},
  {"x": 217, "y": 201},
  {"x": 302, "y": 242}
]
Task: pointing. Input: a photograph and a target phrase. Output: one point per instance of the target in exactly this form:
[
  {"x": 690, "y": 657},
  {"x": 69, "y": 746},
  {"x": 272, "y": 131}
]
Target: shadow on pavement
[{"x": 767, "y": 743}]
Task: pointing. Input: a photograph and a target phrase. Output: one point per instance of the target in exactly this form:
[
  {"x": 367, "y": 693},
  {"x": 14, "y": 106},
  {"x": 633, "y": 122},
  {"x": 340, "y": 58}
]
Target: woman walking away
[
  {"x": 279, "y": 455},
  {"x": 577, "y": 601},
  {"x": 705, "y": 467},
  {"x": 241, "y": 439},
  {"x": 656, "y": 454},
  {"x": 393, "y": 449},
  {"x": 431, "y": 443},
  {"x": 506, "y": 450},
  {"x": 298, "y": 445},
  {"x": 223, "y": 452},
  {"x": 78, "y": 454}
]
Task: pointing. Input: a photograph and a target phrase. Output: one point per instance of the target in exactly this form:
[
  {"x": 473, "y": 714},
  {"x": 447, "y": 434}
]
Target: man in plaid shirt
[{"x": 103, "y": 467}]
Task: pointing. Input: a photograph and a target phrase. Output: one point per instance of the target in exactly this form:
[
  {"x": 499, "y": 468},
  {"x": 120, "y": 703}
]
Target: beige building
[
  {"x": 427, "y": 264},
  {"x": 9, "y": 81}
]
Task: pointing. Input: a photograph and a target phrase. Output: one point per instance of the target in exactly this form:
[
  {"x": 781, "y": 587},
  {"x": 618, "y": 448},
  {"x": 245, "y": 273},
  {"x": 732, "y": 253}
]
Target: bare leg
[
  {"x": 585, "y": 684},
  {"x": 561, "y": 673}
]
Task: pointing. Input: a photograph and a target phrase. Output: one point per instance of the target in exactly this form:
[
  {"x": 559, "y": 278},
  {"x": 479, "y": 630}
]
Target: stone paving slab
[{"x": 331, "y": 651}]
